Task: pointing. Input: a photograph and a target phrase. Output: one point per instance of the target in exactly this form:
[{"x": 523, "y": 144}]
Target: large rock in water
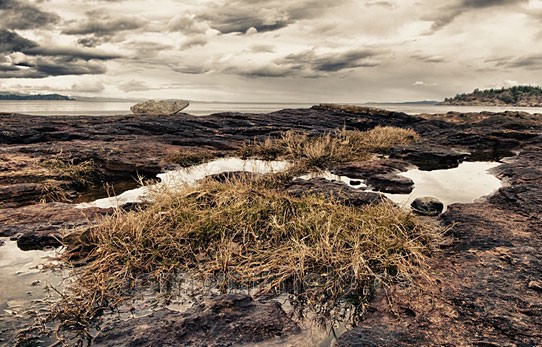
[{"x": 160, "y": 107}]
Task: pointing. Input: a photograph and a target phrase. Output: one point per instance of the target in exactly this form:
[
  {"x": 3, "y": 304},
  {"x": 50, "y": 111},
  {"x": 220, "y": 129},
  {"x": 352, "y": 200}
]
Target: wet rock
[
  {"x": 482, "y": 297},
  {"x": 40, "y": 226},
  {"x": 337, "y": 190},
  {"x": 20, "y": 194},
  {"x": 366, "y": 169},
  {"x": 376, "y": 337},
  {"x": 227, "y": 320},
  {"x": 160, "y": 107},
  {"x": 427, "y": 206},
  {"x": 430, "y": 158},
  {"x": 391, "y": 183}
]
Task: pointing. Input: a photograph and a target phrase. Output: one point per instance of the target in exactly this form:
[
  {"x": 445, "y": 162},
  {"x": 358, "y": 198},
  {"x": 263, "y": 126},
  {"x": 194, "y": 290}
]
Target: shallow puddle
[
  {"x": 189, "y": 176},
  {"x": 22, "y": 277},
  {"x": 24, "y": 285},
  {"x": 463, "y": 184},
  {"x": 22, "y": 280}
]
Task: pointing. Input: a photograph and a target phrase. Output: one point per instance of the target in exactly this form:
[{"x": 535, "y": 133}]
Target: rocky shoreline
[{"x": 487, "y": 278}]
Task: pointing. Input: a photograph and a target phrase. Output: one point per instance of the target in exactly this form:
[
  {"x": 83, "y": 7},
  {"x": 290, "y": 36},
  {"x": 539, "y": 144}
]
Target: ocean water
[{"x": 95, "y": 108}]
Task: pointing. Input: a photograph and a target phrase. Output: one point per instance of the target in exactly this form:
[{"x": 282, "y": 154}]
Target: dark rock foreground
[
  {"x": 485, "y": 289},
  {"x": 226, "y": 320}
]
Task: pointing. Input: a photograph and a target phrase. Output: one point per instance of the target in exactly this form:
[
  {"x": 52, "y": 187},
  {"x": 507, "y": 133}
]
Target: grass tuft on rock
[
  {"x": 325, "y": 151},
  {"x": 241, "y": 234},
  {"x": 82, "y": 172}
]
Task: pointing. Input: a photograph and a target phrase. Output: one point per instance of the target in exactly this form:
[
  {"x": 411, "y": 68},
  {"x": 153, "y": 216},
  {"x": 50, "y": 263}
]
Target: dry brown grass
[
  {"x": 327, "y": 150},
  {"x": 83, "y": 172},
  {"x": 67, "y": 174},
  {"x": 241, "y": 234},
  {"x": 249, "y": 234}
]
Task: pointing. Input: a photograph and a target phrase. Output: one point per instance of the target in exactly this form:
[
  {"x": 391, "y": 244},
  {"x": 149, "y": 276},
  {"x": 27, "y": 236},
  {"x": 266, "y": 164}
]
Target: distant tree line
[
  {"x": 10, "y": 96},
  {"x": 507, "y": 95}
]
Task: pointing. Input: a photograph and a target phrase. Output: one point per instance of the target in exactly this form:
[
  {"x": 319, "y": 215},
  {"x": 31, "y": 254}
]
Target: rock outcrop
[
  {"x": 160, "y": 107},
  {"x": 41, "y": 225},
  {"x": 485, "y": 288}
]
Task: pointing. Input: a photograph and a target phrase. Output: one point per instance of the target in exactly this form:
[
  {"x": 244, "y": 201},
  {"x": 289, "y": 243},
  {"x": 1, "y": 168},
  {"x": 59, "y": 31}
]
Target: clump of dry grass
[
  {"x": 82, "y": 172},
  {"x": 329, "y": 149},
  {"x": 185, "y": 158},
  {"x": 68, "y": 174},
  {"x": 379, "y": 139},
  {"x": 241, "y": 234}
]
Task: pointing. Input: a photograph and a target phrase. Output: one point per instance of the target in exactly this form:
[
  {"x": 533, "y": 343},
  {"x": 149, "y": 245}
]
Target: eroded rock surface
[
  {"x": 226, "y": 320},
  {"x": 485, "y": 288},
  {"x": 41, "y": 225}
]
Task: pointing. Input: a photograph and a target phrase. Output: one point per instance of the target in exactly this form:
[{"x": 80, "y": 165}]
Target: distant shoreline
[{"x": 41, "y": 97}]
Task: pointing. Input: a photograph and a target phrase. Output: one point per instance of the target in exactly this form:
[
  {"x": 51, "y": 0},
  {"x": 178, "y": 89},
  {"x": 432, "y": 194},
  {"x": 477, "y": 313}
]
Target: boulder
[
  {"x": 427, "y": 206},
  {"x": 160, "y": 107},
  {"x": 226, "y": 320}
]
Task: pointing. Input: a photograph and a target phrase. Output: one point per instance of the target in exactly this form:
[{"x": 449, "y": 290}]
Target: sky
[{"x": 272, "y": 51}]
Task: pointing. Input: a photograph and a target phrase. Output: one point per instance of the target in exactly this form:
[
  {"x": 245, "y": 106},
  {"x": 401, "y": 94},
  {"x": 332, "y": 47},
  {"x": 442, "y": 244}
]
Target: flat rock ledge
[{"x": 226, "y": 320}]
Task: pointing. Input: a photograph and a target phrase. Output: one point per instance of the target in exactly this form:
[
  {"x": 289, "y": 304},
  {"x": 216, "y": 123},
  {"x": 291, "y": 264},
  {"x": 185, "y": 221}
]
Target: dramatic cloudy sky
[{"x": 269, "y": 50}]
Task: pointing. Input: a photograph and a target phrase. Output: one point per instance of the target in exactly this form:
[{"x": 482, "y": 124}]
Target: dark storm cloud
[
  {"x": 309, "y": 64},
  {"x": 448, "y": 14},
  {"x": 485, "y": 3},
  {"x": 267, "y": 70},
  {"x": 90, "y": 41},
  {"x": 21, "y": 73},
  {"x": 238, "y": 16},
  {"x": 35, "y": 61},
  {"x": 10, "y": 42},
  {"x": 101, "y": 27},
  {"x": 189, "y": 69},
  {"x": 71, "y": 52},
  {"x": 331, "y": 62},
  {"x": 59, "y": 66},
  {"x": 17, "y": 14},
  {"x": 8, "y": 68}
]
